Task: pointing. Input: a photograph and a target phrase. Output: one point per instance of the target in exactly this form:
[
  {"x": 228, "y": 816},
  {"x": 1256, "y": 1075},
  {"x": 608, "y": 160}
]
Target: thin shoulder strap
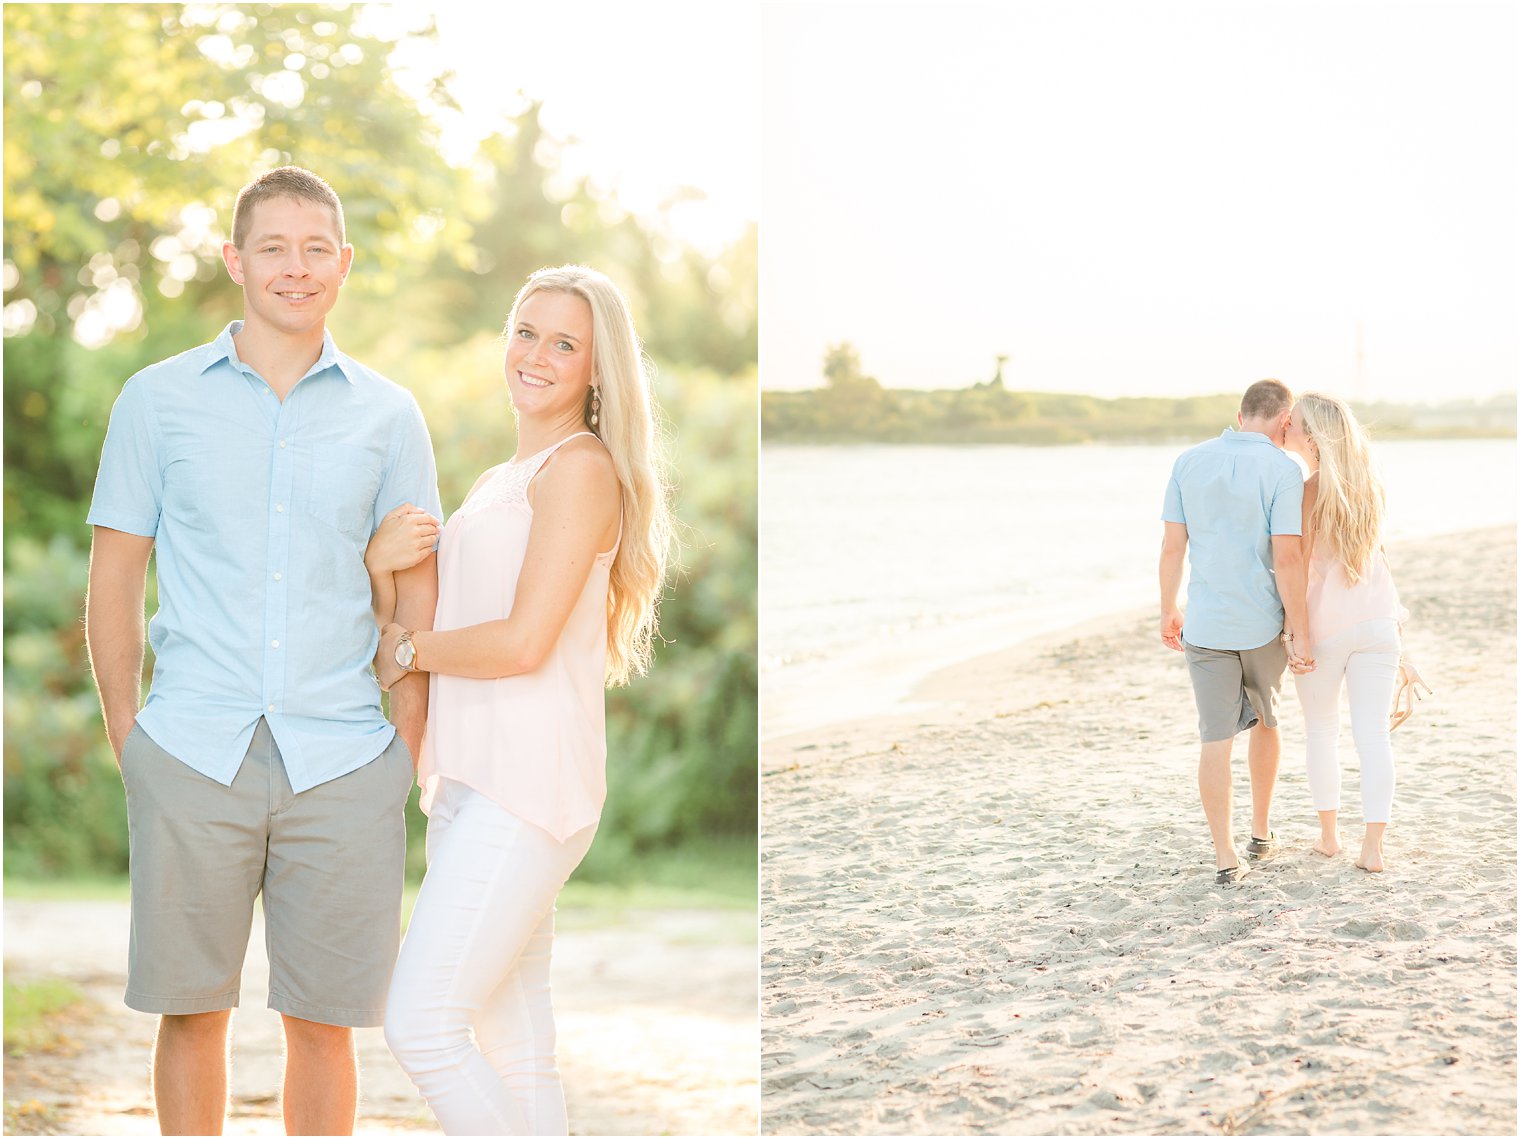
[
  {"x": 553, "y": 447},
  {"x": 535, "y": 462},
  {"x": 530, "y": 471}
]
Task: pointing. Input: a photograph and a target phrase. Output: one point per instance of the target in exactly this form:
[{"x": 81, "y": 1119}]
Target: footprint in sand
[{"x": 1369, "y": 930}]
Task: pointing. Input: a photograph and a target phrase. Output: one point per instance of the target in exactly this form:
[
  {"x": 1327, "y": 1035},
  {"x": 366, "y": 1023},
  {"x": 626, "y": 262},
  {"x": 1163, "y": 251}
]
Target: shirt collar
[
  {"x": 1246, "y": 436},
  {"x": 223, "y": 348}
]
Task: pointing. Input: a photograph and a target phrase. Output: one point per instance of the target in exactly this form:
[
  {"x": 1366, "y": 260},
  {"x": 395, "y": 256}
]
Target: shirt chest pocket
[{"x": 345, "y": 481}]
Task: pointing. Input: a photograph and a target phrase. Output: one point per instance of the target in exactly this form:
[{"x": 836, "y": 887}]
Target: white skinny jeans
[
  {"x": 476, "y": 959},
  {"x": 1366, "y": 656}
]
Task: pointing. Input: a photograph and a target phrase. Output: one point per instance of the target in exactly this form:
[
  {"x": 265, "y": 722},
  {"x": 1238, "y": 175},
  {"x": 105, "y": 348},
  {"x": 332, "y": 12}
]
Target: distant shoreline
[
  {"x": 1063, "y": 440},
  {"x": 861, "y": 411}
]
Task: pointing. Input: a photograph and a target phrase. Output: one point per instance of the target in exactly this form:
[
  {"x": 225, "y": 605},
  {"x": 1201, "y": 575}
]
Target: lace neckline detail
[{"x": 508, "y": 485}]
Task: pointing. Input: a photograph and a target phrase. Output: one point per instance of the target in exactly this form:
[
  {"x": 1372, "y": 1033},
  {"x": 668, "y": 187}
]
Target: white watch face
[{"x": 406, "y": 653}]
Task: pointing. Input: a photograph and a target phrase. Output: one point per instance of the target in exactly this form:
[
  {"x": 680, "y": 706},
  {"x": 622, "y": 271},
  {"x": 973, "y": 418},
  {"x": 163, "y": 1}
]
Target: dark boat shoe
[{"x": 1262, "y": 847}]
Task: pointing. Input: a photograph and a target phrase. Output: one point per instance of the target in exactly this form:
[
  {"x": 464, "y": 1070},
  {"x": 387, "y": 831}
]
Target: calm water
[{"x": 881, "y": 564}]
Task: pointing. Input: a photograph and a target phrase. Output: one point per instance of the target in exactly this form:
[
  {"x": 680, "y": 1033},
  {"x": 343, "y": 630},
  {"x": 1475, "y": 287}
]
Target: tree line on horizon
[{"x": 853, "y": 407}]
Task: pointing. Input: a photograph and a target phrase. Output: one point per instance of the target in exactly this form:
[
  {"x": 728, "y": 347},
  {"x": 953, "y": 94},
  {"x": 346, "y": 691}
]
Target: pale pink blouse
[
  {"x": 535, "y": 743},
  {"x": 1335, "y": 604}
]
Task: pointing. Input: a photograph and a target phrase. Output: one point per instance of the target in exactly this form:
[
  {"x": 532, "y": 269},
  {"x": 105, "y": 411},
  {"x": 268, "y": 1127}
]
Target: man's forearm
[
  {"x": 416, "y": 605},
  {"x": 1294, "y": 591},
  {"x": 114, "y": 631},
  {"x": 1174, "y": 543},
  {"x": 1171, "y": 579},
  {"x": 116, "y": 660},
  {"x": 382, "y": 588},
  {"x": 409, "y": 704},
  {"x": 1292, "y": 573}
]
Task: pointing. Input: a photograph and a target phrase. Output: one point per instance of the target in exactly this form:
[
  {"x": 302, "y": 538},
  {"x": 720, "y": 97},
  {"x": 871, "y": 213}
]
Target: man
[
  {"x": 1238, "y": 499},
  {"x": 258, "y": 466}
]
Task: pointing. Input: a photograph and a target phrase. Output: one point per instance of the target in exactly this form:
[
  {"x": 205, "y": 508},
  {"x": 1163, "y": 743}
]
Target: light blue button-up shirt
[
  {"x": 260, "y": 511},
  {"x": 1233, "y": 494}
]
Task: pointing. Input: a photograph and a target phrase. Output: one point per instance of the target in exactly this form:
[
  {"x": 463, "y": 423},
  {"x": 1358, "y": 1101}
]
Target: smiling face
[
  {"x": 291, "y": 266},
  {"x": 549, "y": 356}
]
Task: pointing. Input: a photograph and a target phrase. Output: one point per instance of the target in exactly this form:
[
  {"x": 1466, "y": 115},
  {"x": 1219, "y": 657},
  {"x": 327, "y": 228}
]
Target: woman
[
  {"x": 1355, "y": 618},
  {"x": 549, "y": 576}
]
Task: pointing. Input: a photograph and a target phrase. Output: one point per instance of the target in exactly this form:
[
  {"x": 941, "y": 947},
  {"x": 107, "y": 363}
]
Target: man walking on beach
[
  {"x": 1238, "y": 500},
  {"x": 258, "y": 466}
]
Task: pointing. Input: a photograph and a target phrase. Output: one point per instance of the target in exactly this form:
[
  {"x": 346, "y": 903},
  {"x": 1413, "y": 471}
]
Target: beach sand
[{"x": 999, "y": 915}]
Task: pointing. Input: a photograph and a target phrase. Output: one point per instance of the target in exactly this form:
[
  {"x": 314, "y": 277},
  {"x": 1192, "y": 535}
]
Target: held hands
[
  {"x": 406, "y": 536},
  {"x": 386, "y": 667},
  {"x": 1300, "y": 660}
]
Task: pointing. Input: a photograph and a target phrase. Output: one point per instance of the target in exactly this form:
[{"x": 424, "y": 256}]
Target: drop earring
[{"x": 596, "y": 405}]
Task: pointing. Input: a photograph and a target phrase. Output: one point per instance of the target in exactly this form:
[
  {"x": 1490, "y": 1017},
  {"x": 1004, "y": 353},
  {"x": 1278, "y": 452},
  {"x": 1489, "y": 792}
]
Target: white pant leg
[
  {"x": 490, "y": 887},
  {"x": 1371, "y": 676},
  {"x": 1319, "y": 695},
  {"x": 515, "y": 1031}
]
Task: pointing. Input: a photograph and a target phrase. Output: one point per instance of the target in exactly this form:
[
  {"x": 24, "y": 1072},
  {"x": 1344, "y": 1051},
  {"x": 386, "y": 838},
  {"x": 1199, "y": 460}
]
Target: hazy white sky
[
  {"x": 659, "y": 94},
  {"x": 1144, "y": 198}
]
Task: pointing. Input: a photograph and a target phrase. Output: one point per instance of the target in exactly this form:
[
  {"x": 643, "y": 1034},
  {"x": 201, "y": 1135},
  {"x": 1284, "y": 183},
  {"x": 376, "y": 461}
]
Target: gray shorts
[
  {"x": 328, "y": 861},
  {"x": 1236, "y": 689}
]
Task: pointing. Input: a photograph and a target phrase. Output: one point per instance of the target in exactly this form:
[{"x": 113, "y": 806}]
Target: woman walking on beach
[
  {"x": 549, "y": 576},
  {"x": 1354, "y": 617}
]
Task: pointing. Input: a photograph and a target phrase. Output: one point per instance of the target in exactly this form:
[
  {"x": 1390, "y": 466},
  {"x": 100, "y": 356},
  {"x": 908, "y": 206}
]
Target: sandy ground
[
  {"x": 998, "y": 914},
  {"x": 656, "y": 1017}
]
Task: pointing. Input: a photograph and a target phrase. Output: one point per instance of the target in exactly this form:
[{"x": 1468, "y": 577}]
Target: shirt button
[
  {"x": 279, "y": 508},
  {"x": 271, "y": 707},
  {"x": 274, "y": 644},
  {"x": 282, "y": 444},
  {"x": 279, "y": 577}
]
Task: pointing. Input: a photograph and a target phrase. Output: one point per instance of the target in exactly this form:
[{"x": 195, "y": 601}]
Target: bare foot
[
  {"x": 1371, "y": 861},
  {"x": 1329, "y": 847}
]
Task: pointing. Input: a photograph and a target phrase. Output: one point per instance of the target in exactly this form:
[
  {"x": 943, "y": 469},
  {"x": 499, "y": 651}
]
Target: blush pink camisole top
[
  {"x": 536, "y": 743},
  {"x": 1335, "y": 604}
]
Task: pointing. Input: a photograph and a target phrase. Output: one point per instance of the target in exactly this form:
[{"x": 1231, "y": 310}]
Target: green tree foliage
[{"x": 128, "y": 130}]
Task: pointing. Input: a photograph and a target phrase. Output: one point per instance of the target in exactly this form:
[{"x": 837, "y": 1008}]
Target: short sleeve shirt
[
  {"x": 260, "y": 511},
  {"x": 1233, "y": 494}
]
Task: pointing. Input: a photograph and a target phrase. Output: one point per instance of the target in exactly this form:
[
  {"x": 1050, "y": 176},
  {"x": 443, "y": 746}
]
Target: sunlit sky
[
  {"x": 655, "y": 96},
  {"x": 1144, "y": 199}
]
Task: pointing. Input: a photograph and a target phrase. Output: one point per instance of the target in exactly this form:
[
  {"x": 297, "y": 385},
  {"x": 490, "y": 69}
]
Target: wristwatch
[{"x": 406, "y": 653}]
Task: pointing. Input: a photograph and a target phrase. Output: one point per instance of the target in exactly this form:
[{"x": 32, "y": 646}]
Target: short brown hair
[
  {"x": 1264, "y": 399},
  {"x": 283, "y": 182}
]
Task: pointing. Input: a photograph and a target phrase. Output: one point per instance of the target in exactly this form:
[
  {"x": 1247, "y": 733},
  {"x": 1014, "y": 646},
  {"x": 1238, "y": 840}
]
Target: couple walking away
[
  {"x": 291, "y": 498},
  {"x": 1286, "y": 574}
]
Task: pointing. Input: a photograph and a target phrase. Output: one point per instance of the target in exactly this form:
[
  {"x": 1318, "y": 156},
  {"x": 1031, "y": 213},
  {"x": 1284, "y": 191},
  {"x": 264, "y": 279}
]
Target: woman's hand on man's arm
[{"x": 406, "y": 536}]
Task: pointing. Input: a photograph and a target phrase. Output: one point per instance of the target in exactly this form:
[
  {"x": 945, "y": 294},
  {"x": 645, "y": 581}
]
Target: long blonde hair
[
  {"x": 1348, "y": 510},
  {"x": 626, "y": 426}
]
